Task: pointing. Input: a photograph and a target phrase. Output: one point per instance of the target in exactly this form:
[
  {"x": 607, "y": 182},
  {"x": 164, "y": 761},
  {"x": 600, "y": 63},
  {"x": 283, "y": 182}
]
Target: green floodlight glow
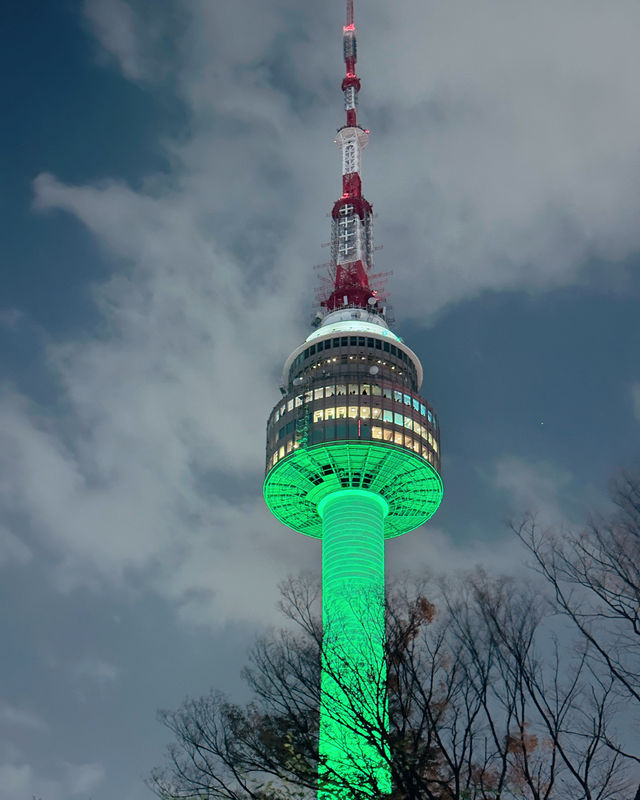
[
  {"x": 296, "y": 485},
  {"x": 353, "y": 495}
]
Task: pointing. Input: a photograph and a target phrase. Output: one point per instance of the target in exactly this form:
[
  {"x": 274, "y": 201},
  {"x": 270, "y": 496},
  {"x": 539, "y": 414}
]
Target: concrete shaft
[{"x": 353, "y": 712}]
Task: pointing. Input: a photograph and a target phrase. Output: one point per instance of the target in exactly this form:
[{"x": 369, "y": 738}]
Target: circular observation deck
[{"x": 409, "y": 484}]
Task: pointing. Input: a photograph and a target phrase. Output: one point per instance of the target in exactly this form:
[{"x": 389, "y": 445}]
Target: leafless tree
[{"x": 475, "y": 709}]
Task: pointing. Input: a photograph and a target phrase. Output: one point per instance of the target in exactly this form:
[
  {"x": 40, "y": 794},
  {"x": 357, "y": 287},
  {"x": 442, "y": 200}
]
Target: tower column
[{"x": 353, "y": 711}]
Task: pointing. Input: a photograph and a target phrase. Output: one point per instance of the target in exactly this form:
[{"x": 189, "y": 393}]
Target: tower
[{"x": 353, "y": 458}]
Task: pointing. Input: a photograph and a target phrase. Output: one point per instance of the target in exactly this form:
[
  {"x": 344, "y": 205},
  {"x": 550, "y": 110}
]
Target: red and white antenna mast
[{"x": 352, "y": 215}]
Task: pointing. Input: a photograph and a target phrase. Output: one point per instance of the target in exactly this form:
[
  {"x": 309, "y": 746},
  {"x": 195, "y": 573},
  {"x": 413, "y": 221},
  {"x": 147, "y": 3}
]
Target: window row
[
  {"x": 367, "y": 413},
  {"x": 377, "y": 432},
  {"x": 351, "y": 341},
  {"x": 359, "y": 390}
]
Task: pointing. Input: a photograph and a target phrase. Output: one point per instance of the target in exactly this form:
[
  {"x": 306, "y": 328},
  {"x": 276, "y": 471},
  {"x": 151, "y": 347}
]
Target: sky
[{"x": 167, "y": 169}]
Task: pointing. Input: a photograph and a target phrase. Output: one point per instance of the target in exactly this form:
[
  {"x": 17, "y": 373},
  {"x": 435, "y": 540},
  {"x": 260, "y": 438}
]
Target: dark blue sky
[{"x": 166, "y": 176}]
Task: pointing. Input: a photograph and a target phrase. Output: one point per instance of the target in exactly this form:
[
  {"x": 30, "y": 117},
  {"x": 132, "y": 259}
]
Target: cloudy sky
[{"x": 167, "y": 169}]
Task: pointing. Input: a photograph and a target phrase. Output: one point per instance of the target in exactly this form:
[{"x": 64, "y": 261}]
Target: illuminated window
[
  {"x": 298, "y": 401},
  {"x": 407, "y": 399},
  {"x": 281, "y": 452},
  {"x": 408, "y": 442},
  {"x": 276, "y": 416},
  {"x": 341, "y": 388},
  {"x": 435, "y": 445},
  {"x": 430, "y": 417},
  {"x": 398, "y": 419},
  {"x": 308, "y": 397},
  {"x": 423, "y": 410},
  {"x": 387, "y": 393},
  {"x": 365, "y": 412},
  {"x": 376, "y": 432},
  {"x": 341, "y": 412},
  {"x": 289, "y": 445},
  {"x": 408, "y": 423},
  {"x": 329, "y": 391},
  {"x": 275, "y": 457},
  {"x": 290, "y": 405},
  {"x": 397, "y": 438},
  {"x": 416, "y": 446},
  {"x": 330, "y": 413},
  {"x": 365, "y": 388},
  {"x": 397, "y": 396},
  {"x": 388, "y": 435},
  {"x": 353, "y": 412},
  {"x": 387, "y": 415},
  {"x": 376, "y": 391},
  {"x": 430, "y": 439},
  {"x": 353, "y": 388},
  {"x": 376, "y": 413},
  {"x": 317, "y": 394},
  {"x": 416, "y": 404},
  {"x": 318, "y": 415}
]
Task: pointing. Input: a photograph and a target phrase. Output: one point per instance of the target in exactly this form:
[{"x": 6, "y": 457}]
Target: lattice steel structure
[{"x": 353, "y": 458}]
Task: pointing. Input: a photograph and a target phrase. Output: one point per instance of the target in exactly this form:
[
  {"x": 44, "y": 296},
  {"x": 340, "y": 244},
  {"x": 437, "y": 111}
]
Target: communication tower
[{"x": 353, "y": 458}]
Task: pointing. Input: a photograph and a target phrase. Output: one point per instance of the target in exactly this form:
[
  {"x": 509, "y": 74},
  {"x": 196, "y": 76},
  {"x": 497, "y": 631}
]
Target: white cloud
[
  {"x": 13, "y": 717},
  {"x": 12, "y": 549},
  {"x": 96, "y": 670},
  {"x": 19, "y": 781},
  {"x": 504, "y": 155}
]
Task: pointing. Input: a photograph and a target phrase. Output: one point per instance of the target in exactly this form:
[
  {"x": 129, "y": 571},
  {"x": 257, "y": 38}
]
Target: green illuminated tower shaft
[
  {"x": 353, "y": 713},
  {"x": 353, "y": 453}
]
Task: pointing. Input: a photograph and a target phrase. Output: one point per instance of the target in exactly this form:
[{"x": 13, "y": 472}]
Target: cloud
[
  {"x": 13, "y": 717},
  {"x": 503, "y": 157},
  {"x": 96, "y": 670},
  {"x": 12, "y": 549},
  {"x": 20, "y": 780}
]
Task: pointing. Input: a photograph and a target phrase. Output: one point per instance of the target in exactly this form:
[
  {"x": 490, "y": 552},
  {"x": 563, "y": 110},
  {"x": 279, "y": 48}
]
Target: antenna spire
[{"x": 352, "y": 215}]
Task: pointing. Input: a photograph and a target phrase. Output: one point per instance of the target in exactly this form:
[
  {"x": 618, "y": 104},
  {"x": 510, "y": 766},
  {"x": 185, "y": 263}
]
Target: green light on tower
[{"x": 320, "y": 491}]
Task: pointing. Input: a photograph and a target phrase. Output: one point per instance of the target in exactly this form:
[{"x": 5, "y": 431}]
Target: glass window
[
  {"x": 336, "y": 342},
  {"x": 306, "y": 353},
  {"x": 308, "y": 396},
  {"x": 318, "y": 415},
  {"x": 281, "y": 452},
  {"x": 393, "y": 350},
  {"x": 344, "y": 341},
  {"x": 290, "y": 405},
  {"x": 353, "y": 388},
  {"x": 387, "y": 415},
  {"x": 353, "y": 412},
  {"x": 416, "y": 404},
  {"x": 275, "y": 457},
  {"x": 407, "y": 399},
  {"x": 376, "y": 413},
  {"x": 408, "y": 442},
  {"x": 397, "y": 396},
  {"x": 378, "y": 344},
  {"x": 365, "y": 412},
  {"x": 353, "y": 341},
  {"x": 341, "y": 388},
  {"x": 365, "y": 388},
  {"x": 312, "y": 350},
  {"x": 397, "y": 438},
  {"x": 376, "y": 391},
  {"x": 388, "y": 434},
  {"x": 397, "y": 419},
  {"x": 386, "y": 347},
  {"x": 430, "y": 416},
  {"x": 376, "y": 432},
  {"x": 330, "y": 413},
  {"x": 289, "y": 445},
  {"x": 435, "y": 445},
  {"x": 298, "y": 401},
  {"x": 317, "y": 394},
  {"x": 329, "y": 391},
  {"x": 386, "y": 392},
  {"x": 369, "y": 342},
  {"x": 408, "y": 423},
  {"x": 276, "y": 416},
  {"x": 360, "y": 341},
  {"x": 423, "y": 411},
  {"x": 341, "y": 412}
]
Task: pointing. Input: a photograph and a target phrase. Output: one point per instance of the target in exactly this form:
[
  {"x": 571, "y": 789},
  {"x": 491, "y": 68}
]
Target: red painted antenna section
[{"x": 352, "y": 216}]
